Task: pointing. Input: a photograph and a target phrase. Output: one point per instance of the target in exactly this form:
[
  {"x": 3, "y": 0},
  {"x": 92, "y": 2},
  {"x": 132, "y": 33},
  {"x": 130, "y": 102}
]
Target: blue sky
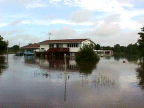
[{"x": 106, "y": 22}]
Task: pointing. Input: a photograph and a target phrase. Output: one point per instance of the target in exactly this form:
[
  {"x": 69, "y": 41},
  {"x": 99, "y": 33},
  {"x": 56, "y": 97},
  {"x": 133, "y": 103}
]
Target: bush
[{"x": 86, "y": 54}]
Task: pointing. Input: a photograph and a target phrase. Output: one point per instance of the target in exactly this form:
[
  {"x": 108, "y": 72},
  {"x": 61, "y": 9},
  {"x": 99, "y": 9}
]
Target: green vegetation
[
  {"x": 2, "y": 62},
  {"x": 3, "y": 45},
  {"x": 140, "y": 74},
  {"x": 141, "y": 43},
  {"x": 131, "y": 49},
  {"x": 86, "y": 59},
  {"x": 86, "y": 54},
  {"x": 96, "y": 47},
  {"x": 14, "y": 49}
]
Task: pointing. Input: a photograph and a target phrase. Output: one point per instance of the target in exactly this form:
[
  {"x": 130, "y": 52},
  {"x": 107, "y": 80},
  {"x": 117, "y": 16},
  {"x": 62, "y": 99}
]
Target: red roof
[
  {"x": 64, "y": 41},
  {"x": 32, "y": 46}
]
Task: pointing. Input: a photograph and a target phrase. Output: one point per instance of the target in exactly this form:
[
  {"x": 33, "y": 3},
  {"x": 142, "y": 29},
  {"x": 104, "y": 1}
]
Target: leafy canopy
[
  {"x": 3, "y": 45},
  {"x": 86, "y": 54},
  {"x": 141, "y": 42}
]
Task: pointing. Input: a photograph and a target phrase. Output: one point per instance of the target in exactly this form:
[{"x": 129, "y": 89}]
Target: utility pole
[
  {"x": 7, "y": 50},
  {"x": 49, "y": 35}
]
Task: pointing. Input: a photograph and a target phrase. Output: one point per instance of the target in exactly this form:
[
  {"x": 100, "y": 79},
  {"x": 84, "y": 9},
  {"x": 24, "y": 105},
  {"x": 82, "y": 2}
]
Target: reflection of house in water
[
  {"x": 30, "y": 60},
  {"x": 57, "y": 64}
]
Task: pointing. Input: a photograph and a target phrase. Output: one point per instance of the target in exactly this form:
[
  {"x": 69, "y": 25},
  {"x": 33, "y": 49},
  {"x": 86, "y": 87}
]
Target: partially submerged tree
[
  {"x": 86, "y": 59},
  {"x": 141, "y": 42},
  {"x": 3, "y": 45},
  {"x": 86, "y": 54}
]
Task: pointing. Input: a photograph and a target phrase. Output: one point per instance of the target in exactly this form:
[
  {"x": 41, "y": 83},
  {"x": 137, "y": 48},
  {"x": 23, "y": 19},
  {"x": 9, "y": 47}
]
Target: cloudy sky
[{"x": 106, "y": 22}]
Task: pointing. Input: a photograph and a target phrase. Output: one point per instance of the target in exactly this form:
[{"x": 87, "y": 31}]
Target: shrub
[{"x": 86, "y": 54}]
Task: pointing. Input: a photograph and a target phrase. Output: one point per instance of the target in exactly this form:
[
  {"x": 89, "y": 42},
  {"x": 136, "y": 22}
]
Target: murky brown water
[{"x": 35, "y": 82}]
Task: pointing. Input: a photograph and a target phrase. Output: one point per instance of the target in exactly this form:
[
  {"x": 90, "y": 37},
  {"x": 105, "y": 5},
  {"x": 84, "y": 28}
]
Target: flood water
[{"x": 35, "y": 82}]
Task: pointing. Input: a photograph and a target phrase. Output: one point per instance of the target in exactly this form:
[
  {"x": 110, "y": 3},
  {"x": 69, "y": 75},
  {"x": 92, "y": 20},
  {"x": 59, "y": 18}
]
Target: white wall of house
[
  {"x": 45, "y": 46},
  {"x": 72, "y": 49},
  {"x": 86, "y": 42},
  {"x": 80, "y": 45},
  {"x": 64, "y": 45}
]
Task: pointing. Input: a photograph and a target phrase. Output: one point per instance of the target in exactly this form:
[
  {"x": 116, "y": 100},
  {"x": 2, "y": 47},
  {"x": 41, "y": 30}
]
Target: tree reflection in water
[
  {"x": 140, "y": 75},
  {"x": 86, "y": 67},
  {"x": 132, "y": 58},
  {"x": 2, "y": 64}
]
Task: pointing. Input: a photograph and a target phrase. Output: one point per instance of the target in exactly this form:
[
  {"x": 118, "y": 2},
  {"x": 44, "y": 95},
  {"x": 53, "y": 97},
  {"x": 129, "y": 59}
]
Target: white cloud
[
  {"x": 112, "y": 18},
  {"x": 3, "y": 24},
  {"x": 130, "y": 24},
  {"x": 141, "y": 21},
  {"x": 11, "y": 32},
  {"x": 26, "y": 3},
  {"x": 81, "y": 16},
  {"x": 63, "y": 33},
  {"x": 36, "y": 4},
  {"x": 106, "y": 29},
  {"x": 54, "y": 22},
  {"x": 23, "y": 39},
  {"x": 16, "y": 22},
  {"x": 16, "y": 37},
  {"x": 99, "y": 5}
]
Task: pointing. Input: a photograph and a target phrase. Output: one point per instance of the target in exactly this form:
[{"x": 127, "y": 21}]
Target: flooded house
[{"x": 57, "y": 48}]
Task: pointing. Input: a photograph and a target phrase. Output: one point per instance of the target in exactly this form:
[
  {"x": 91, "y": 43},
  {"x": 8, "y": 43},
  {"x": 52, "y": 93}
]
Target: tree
[
  {"x": 86, "y": 54},
  {"x": 117, "y": 48},
  {"x": 3, "y": 45},
  {"x": 131, "y": 49},
  {"x": 15, "y": 48},
  {"x": 141, "y": 42},
  {"x": 122, "y": 48},
  {"x": 97, "y": 47}
]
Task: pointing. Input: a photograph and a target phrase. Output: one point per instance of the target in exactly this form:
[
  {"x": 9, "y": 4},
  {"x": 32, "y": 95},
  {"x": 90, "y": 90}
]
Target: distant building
[
  {"x": 104, "y": 52},
  {"x": 31, "y": 47}
]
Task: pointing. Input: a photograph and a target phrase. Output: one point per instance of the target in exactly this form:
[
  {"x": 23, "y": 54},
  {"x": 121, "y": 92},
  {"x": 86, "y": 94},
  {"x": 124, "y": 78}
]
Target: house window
[
  {"x": 72, "y": 45},
  {"x": 51, "y": 45},
  {"x": 59, "y": 45},
  {"x": 42, "y": 48}
]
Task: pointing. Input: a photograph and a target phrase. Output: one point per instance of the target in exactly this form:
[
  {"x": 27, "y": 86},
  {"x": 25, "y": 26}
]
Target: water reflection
[
  {"x": 117, "y": 57},
  {"x": 55, "y": 64},
  {"x": 140, "y": 75},
  {"x": 130, "y": 58},
  {"x": 30, "y": 59},
  {"x": 3, "y": 64},
  {"x": 86, "y": 67},
  {"x": 101, "y": 80},
  {"x": 59, "y": 64},
  {"x": 36, "y": 82}
]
